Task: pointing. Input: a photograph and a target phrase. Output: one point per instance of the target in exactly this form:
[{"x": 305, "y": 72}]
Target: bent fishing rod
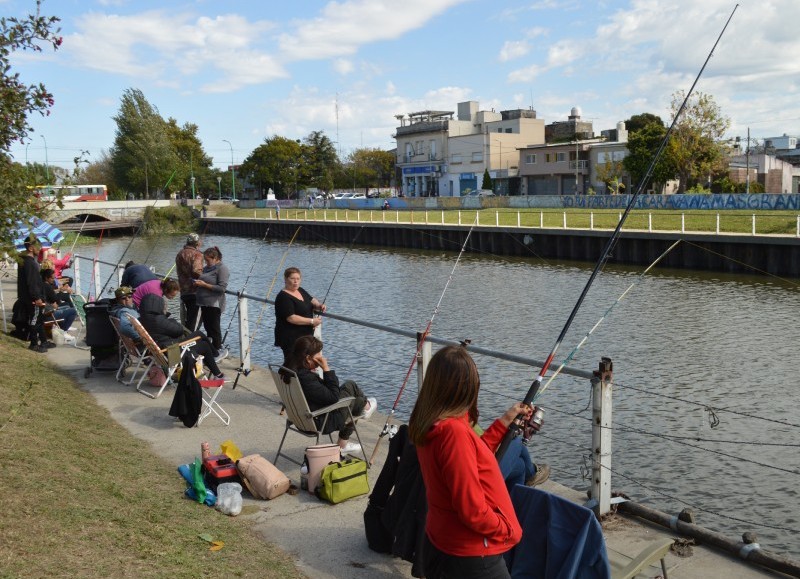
[
  {"x": 421, "y": 342},
  {"x": 240, "y": 370},
  {"x": 533, "y": 391},
  {"x": 244, "y": 286},
  {"x": 133, "y": 238}
]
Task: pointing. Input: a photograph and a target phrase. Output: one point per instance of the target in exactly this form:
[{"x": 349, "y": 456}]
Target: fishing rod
[
  {"x": 421, "y": 342},
  {"x": 241, "y": 369},
  {"x": 605, "y": 315},
  {"x": 71, "y": 249},
  {"x": 352, "y": 243},
  {"x": 515, "y": 427},
  {"x": 244, "y": 287},
  {"x": 133, "y": 237}
]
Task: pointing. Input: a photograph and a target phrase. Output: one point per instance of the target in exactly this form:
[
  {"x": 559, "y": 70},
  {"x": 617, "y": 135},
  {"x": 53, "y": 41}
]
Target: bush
[{"x": 173, "y": 219}]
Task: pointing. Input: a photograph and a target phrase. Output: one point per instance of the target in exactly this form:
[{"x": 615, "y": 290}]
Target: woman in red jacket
[{"x": 471, "y": 521}]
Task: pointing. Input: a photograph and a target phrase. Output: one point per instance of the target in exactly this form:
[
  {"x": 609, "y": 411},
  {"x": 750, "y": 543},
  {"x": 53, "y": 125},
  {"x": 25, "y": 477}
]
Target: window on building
[
  {"x": 455, "y": 159},
  {"x": 530, "y": 159},
  {"x": 500, "y": 130},
  {"x": 508, "y": 130},
  {"x": 477, "y": 157},
  {"x": 601, "y": 158},
  {"x": 549, "y": 157},
  {"x": 432, "y": 149},
  {"x": 561, "y": 157}
]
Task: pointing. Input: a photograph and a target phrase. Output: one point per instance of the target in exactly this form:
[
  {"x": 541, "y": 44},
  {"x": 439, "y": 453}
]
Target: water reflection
[{"x": 680, "y": 341}]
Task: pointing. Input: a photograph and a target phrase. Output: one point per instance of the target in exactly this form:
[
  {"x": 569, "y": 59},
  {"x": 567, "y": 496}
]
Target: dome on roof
[{"x": 575, "y": 112}]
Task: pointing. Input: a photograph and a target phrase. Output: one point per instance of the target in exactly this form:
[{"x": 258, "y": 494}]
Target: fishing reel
[{"x": 533, "y": 424}]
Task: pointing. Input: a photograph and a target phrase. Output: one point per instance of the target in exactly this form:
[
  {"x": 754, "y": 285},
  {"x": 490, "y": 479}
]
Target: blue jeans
[
  {"x": 516, "y": 465},
  {"x": 65, "y": 315}
]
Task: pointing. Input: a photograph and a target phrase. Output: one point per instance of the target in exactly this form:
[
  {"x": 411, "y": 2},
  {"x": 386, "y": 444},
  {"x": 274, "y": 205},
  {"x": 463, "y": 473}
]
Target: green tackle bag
[{"x": 343, "y": 480}]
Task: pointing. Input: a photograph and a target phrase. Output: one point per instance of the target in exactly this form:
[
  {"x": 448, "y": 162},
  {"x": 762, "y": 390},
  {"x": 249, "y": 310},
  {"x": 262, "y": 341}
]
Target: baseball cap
[
  {"x": 123, "y": 291},
  {"x": 193, "y": 239}
]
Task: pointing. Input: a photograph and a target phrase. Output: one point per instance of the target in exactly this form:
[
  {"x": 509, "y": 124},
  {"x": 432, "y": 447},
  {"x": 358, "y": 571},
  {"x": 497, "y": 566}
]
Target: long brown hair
[
  {"x": 450, "y": 388},
  {"x": 304, "y": 346}
]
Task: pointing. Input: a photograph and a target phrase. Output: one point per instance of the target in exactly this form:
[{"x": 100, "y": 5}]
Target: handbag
[
  {"x": 343, "y": 480},
  {"x": 262, "y": 478}
]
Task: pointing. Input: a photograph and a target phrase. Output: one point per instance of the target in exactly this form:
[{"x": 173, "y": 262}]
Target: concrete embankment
[
  {"x": 326, "y": 541},
  {"x": 776, "y": 255}
]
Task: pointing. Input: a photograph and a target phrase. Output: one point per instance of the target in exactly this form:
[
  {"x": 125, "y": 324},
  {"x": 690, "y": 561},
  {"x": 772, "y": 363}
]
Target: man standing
[
  {"x": 189, "y": 265},
  {"x": 30, "y": 294}
]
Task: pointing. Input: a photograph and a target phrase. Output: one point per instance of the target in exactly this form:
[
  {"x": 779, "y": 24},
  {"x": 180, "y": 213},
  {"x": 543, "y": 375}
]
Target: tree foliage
[
  {"x": 191, "y": 160},
  {"x": 275, "y": 165},
  {"x": 487, "y": 180},
  {"x": 143, "y": 155},
  {"x": 642, "y": 147},
  {"x": 320, "y": 161},
  {"x": 640, "y": 121},
  {"x": 17, "y": 102},
  {"x": 694, "y": 145},
  {"x": 366, "y": 168}
]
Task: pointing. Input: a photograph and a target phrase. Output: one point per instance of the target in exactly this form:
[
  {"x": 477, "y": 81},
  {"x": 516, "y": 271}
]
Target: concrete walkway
[{"x": 326, "y": 541}]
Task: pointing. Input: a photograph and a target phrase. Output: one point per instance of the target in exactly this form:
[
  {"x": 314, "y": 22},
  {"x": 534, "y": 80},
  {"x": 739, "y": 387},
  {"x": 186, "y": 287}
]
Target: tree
[
  {"x": 367, "y": 168},
  {"x": 143, "y": 155},
  {"x": 275, "y": 165},
  {"x": 694, "y": 147},
  {"x": 610, "y": 173},
  {"x": 192, "y": 160},
  {"x": 101, "y": 172},
  {"x": 18, "y": 101},
  {"x": 320, "y": 161},
  {"x": 487, "y": 181},
  {"x": 640, "y": 121},
  {"x": 642, "y": 147}
]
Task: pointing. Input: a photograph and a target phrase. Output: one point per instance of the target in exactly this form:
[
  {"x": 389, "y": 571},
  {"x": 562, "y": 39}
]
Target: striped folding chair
[
  {"x": 132, "y": 354},
  {"x": 168, "y": 359}
]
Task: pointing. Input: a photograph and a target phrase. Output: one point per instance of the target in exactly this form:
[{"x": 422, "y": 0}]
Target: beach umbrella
[{"x": 46, "y": 234}]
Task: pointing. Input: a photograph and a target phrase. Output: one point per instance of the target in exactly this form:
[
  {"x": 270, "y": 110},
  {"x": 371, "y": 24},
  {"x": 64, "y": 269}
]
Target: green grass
[
  {"x": 730, "y": 221},
  {"x": 83, "y": 497}
]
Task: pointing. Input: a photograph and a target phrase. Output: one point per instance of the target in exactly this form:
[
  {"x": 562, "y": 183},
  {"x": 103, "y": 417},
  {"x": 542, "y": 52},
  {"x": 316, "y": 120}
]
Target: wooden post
[
  {"x": 244, "y": 334},
  {"x": 601, "y": 436},
  {"x": 423, "y": 358}
]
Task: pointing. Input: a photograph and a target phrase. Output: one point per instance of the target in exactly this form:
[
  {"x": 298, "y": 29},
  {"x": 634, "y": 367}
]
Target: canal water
[{"x": 705, "y": 365}]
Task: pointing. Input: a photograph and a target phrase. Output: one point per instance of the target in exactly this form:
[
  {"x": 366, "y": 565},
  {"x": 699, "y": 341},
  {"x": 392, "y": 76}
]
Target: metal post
[
  {"x": 683, "y": 222},
  {"x": 423, "y": 357},
  {"x": 442, "y": 216},
  {"x": 76, "y": 268},
  {"x": 426, "y": 217},
  {"x": 96, "y": 274},
  {"x": 601, "y": 436},
  {"x": 518, "y": 220},
  {"x": 798, "y": 226},
  {"x": 717, "y": 223},
  {"x": 541, "y": 219},
  {"x": 244, "y": 334},
  {"x": 591, "y": 220},
  {"x": 650, "y": 222},
  {"x": 754, "y": 223},
  {"x": 565, "y": 219},
  {"x": 497, "y": 219},
  {"x": 459, "y": 217}
]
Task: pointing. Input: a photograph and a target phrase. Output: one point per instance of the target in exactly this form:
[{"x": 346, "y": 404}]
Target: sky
[{"x": 248, "y": 70}]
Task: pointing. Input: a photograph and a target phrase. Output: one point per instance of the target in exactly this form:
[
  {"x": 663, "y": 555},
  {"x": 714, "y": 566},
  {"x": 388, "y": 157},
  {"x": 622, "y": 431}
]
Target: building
[
  {"x": 607, "y": 174},
  {"x": 438, "y": 155},
  {"x": 556, "y": 169}
]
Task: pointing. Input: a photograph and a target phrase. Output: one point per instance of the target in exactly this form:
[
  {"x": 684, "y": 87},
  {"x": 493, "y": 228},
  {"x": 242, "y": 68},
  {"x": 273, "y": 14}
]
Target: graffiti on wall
[{"x": 761, "y": 201}]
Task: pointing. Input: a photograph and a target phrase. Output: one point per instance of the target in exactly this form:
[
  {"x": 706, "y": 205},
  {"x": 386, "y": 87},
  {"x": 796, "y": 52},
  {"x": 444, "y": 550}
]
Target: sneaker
[
  {"x": 221, "y": 356},
  {"x": 541, "y": 475},
  {"x": 48, "y": 344},
  {"x": 219, "y": 376},
  {"x": 373, "y": 406},
  {"x": 350, "y": 447},
  {"x": 37, "y": 348}
]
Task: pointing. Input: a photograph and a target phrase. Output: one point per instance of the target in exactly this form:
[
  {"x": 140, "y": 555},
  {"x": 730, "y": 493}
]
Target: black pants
[
  {"x": 36, "y": 334},
  {"x": 190, "y": 310},
  {"x": 439, "y": 565},
  {"x": 350, "y": 388},
  {"x": 202, "y": 347},
  {"x": 211, "y": 316}
]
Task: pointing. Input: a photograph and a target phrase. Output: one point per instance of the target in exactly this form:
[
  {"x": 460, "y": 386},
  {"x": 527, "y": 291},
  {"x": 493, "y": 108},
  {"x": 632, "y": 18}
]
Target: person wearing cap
[
  {"x": 30, "y": 297},
  {"x": 136, "y": 274},
  {"x": 189, "y": 265},
  {"x": 122, "y": 308}
]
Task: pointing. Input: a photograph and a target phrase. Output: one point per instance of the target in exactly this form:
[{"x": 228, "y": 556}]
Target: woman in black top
[{"x": 294, "y": 312}]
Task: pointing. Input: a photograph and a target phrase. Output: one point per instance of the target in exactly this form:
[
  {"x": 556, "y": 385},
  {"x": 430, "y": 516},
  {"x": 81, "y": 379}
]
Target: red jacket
[{"x": 469, "y": 510}]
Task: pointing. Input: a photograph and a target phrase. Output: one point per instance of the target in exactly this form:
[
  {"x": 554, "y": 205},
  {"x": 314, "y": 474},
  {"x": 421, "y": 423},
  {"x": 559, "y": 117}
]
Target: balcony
[{"x": 579, "y": 165}]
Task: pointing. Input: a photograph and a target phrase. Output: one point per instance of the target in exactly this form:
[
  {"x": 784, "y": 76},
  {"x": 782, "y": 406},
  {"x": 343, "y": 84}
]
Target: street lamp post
[
  {"x": 233, "y": 171},
  {"x": 192, "y": 179},
  {"x": 219, "y": 186},
  {"x": 46, "y": 162}
]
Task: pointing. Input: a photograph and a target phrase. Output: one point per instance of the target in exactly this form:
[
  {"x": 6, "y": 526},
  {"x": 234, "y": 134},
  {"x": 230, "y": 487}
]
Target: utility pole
[{"x": 747, "y": 189}]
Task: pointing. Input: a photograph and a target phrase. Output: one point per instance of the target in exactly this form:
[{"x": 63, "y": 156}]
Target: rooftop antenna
[{"x": 338, "y": 143}]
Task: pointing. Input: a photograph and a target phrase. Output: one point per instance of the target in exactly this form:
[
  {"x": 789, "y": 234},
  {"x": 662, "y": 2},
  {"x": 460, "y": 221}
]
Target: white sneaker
[
  {"x": 373, "y": 406},
  {"x": 223, "y": 353},
  {"x": 350, "y": 448}
]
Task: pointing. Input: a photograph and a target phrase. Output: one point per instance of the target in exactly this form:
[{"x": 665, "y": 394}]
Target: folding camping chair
[
  {"x": 299, "y": 417},
  {"x": 168, "y": 359},
  {"x": 79, "y": 302},
  {"x": 132, "y": 353},
  {"x": 210, "y": 404}
]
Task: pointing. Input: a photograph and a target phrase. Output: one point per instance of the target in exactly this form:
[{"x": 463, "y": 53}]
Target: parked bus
[{"x": 72, "y": 192}]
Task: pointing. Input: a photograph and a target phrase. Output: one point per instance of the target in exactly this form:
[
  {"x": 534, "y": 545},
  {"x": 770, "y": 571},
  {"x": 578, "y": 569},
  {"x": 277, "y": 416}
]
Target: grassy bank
[
  {"x": 730, "y": 221},
  {"x": 83, "y": 497}
]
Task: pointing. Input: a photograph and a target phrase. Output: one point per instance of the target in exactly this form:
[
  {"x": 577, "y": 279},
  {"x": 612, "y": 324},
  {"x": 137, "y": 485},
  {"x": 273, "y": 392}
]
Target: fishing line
[
  {"x": 244, "y": 287},
  {"x": 385, "y": 430},
  {"x": 515, "y": 427},
  {"x": 71, "y": 249},
  {"x": 360, "y": 229},
  {"x": 747, "y": 265},
  {"x": 133, "y": 237},
  {"x": 602, "y": 318},
  {"x": 264, "y": 305}
]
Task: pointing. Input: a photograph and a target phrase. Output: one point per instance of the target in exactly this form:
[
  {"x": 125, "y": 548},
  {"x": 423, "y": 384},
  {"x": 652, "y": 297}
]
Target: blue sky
[{"x": 244, "y": 71}]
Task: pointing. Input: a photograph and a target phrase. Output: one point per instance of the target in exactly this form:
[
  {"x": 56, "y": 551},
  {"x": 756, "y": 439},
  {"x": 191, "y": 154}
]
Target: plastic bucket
[{"x": 318, "y": 458}]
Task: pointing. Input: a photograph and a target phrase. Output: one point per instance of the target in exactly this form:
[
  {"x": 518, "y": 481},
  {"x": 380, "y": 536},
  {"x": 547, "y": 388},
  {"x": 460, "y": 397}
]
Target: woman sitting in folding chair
[
  {"x": 166, "y": 332},
  {"x": 305, "y": 358}
]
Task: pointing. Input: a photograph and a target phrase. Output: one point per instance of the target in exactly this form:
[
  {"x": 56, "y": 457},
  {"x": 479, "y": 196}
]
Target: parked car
[{"x": 481, "y": 193}]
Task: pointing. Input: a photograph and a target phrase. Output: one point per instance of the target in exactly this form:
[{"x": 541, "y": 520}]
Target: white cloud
[
  {"x": 513, "y": 49},
  {"x": 343, "y": 27},
  {"x": 343, "y": 66}
]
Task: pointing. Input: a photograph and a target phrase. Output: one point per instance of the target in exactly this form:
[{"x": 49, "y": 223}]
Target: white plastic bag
[{"x": 229, "y": 499}]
